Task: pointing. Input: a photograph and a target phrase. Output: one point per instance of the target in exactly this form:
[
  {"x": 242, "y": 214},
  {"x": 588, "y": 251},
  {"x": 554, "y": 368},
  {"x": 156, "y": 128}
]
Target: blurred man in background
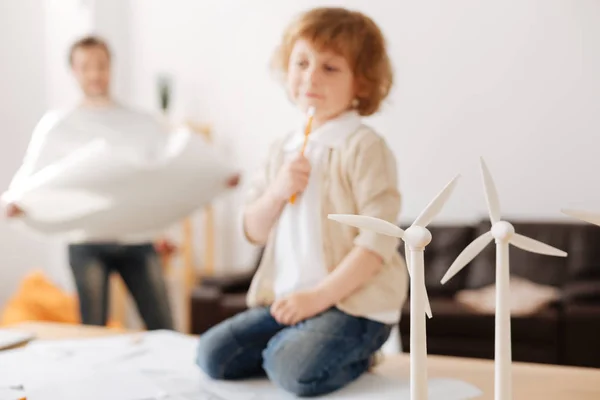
[{"x": 92, "y": 260}]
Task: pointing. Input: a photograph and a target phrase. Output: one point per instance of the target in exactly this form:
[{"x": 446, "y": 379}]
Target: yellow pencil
[{"x": 307, "y": 130}]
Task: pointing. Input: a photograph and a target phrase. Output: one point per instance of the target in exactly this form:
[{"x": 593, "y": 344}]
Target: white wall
[
  {"x": 69, "y": 20},
  {"x": 514, "y": 81},
  {"x": 110, "y": 20},
  {"x": 22, "y": 102},
  {"x": 64, "y": 22}
]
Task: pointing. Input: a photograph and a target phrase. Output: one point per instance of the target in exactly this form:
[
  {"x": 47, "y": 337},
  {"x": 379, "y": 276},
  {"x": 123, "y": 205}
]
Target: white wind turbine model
[
  {"x": 415, "y": 238},
  {"x": 586, "y": 216},
  {"x": 504, "y": 234}
]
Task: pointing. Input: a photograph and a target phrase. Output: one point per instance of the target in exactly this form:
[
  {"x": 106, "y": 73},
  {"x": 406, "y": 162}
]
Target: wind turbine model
[
  {"x": 415, "y": 238},
  {"x": 504, "y": 234},
  {"x": 586, "y": 216}
]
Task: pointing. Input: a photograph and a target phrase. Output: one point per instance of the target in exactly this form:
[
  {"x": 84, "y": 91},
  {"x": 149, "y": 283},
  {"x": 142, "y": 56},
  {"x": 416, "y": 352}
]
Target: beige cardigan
[{"x": 360, "y": 178}]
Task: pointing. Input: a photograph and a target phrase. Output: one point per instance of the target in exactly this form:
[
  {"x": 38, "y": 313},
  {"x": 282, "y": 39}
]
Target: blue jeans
[
  {"x": 312, "y": 358},
  {"x": 140, "y": 268}
]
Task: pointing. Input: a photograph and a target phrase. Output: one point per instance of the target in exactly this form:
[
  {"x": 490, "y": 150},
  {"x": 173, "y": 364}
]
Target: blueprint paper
[{"x": 114, "y": 194}]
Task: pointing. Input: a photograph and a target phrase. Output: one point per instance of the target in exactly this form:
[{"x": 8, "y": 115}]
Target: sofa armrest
[
  {"x": 205, "y": 311},
  {"x": 587, "y": 291},
  {"x": 232, "y": 283}
]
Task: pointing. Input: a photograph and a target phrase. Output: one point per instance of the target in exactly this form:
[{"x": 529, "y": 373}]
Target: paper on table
[
  {"x": 167, "y": 350},
  {"x": 8, "y": 394},
  {"x": 156, "y": 350},
  {"x": 99, "y": 385},
  {"x": 12, "y": 365},
  {"x": 139, "y": 198},
  {"x": 87, "y": 354},
  {"x": 166, "y": 359},
  {"x": 12, "y": 337}
]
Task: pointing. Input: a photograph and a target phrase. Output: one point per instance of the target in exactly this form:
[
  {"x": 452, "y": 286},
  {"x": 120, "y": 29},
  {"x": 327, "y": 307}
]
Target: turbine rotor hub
[
  {"x": 417, "y": 237},
  {"x": 503, "y": 231}
]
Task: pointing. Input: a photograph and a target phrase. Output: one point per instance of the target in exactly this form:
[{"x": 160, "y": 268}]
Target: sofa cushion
[
  {"x": 526, "y": 297},
  {"x": 543, "y": 269}
]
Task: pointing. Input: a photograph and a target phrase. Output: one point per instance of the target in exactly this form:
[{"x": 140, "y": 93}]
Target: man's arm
[{"x": 37, "y": 150}]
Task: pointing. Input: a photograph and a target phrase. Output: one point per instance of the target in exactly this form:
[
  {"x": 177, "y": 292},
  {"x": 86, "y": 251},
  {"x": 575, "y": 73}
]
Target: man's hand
[
  {"x": 13, "y": 211},
  {"x": 233, "y": 181},
  {"x": 165, "y": 247},
  {"x": 298, "y": 307}
]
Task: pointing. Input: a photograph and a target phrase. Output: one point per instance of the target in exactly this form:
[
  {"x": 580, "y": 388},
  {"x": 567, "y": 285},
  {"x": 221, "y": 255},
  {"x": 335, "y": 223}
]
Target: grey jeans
[{"x": 140, "y": 268}]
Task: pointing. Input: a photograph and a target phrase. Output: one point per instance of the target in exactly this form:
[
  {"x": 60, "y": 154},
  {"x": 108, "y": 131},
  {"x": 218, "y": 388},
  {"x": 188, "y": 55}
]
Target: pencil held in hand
[{"x": 307, "y": 129}]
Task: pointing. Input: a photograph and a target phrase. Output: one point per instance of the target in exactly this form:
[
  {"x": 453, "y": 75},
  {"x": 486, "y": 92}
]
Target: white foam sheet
[
  {"x": 101, "y": 190},
  {"x": 366, "y": 387}
]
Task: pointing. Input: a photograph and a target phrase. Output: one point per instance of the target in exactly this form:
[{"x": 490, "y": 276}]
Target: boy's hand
[
  {"x": 13, "y": 211},
  {"x": 292, "y": 178},
  {"x": 298, "y": 307}
]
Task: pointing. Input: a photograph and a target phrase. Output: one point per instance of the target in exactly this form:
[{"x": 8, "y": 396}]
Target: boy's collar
[{"x": 332, "y": 133}]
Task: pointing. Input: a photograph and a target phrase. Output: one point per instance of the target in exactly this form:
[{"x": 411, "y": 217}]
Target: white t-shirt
[
  {"x": 298, "y": 250},
  {"x": 58, "y": 134}
]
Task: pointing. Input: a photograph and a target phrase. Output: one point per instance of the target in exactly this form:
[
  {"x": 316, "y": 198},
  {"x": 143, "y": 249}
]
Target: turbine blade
[
  {"x": 370, "y": 223},
  {"x": 491, "y": 194},
  {"x": 436, "y": 205},
  {"x": 407, "y": 258},
  {"x": 409, "y": 267},
  {"x": 534, "y": 246},
  {"x": 467, "y": 255},
  {"x": 586, "y": 216},
  {"x": 427, "y": 305}
]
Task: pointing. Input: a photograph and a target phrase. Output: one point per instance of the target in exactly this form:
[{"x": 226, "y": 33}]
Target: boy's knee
[
  {"x": 292, "y": 382},
  {"x": 298, "y": 388},
  {"x": 292, "y": 373},
  {"x": 209, "y": 363}
]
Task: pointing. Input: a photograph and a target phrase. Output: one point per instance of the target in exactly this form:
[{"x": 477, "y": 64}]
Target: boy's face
[
  {"x": 322, "y": 79},
  {"x": 91, "y": 68}
]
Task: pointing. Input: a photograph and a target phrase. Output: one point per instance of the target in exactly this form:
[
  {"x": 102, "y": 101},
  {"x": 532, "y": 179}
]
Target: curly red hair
[{"x": 352, "y": 35}]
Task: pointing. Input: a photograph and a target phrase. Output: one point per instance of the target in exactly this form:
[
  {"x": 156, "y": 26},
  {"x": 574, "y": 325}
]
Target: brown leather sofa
[
  {"x": 564, "y": 332},
  {"x": 217, "y": 298}
]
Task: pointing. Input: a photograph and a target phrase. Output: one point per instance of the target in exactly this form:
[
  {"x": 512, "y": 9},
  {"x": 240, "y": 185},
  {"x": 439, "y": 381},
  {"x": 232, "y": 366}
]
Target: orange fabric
[{"x": 39, "y": 299}]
